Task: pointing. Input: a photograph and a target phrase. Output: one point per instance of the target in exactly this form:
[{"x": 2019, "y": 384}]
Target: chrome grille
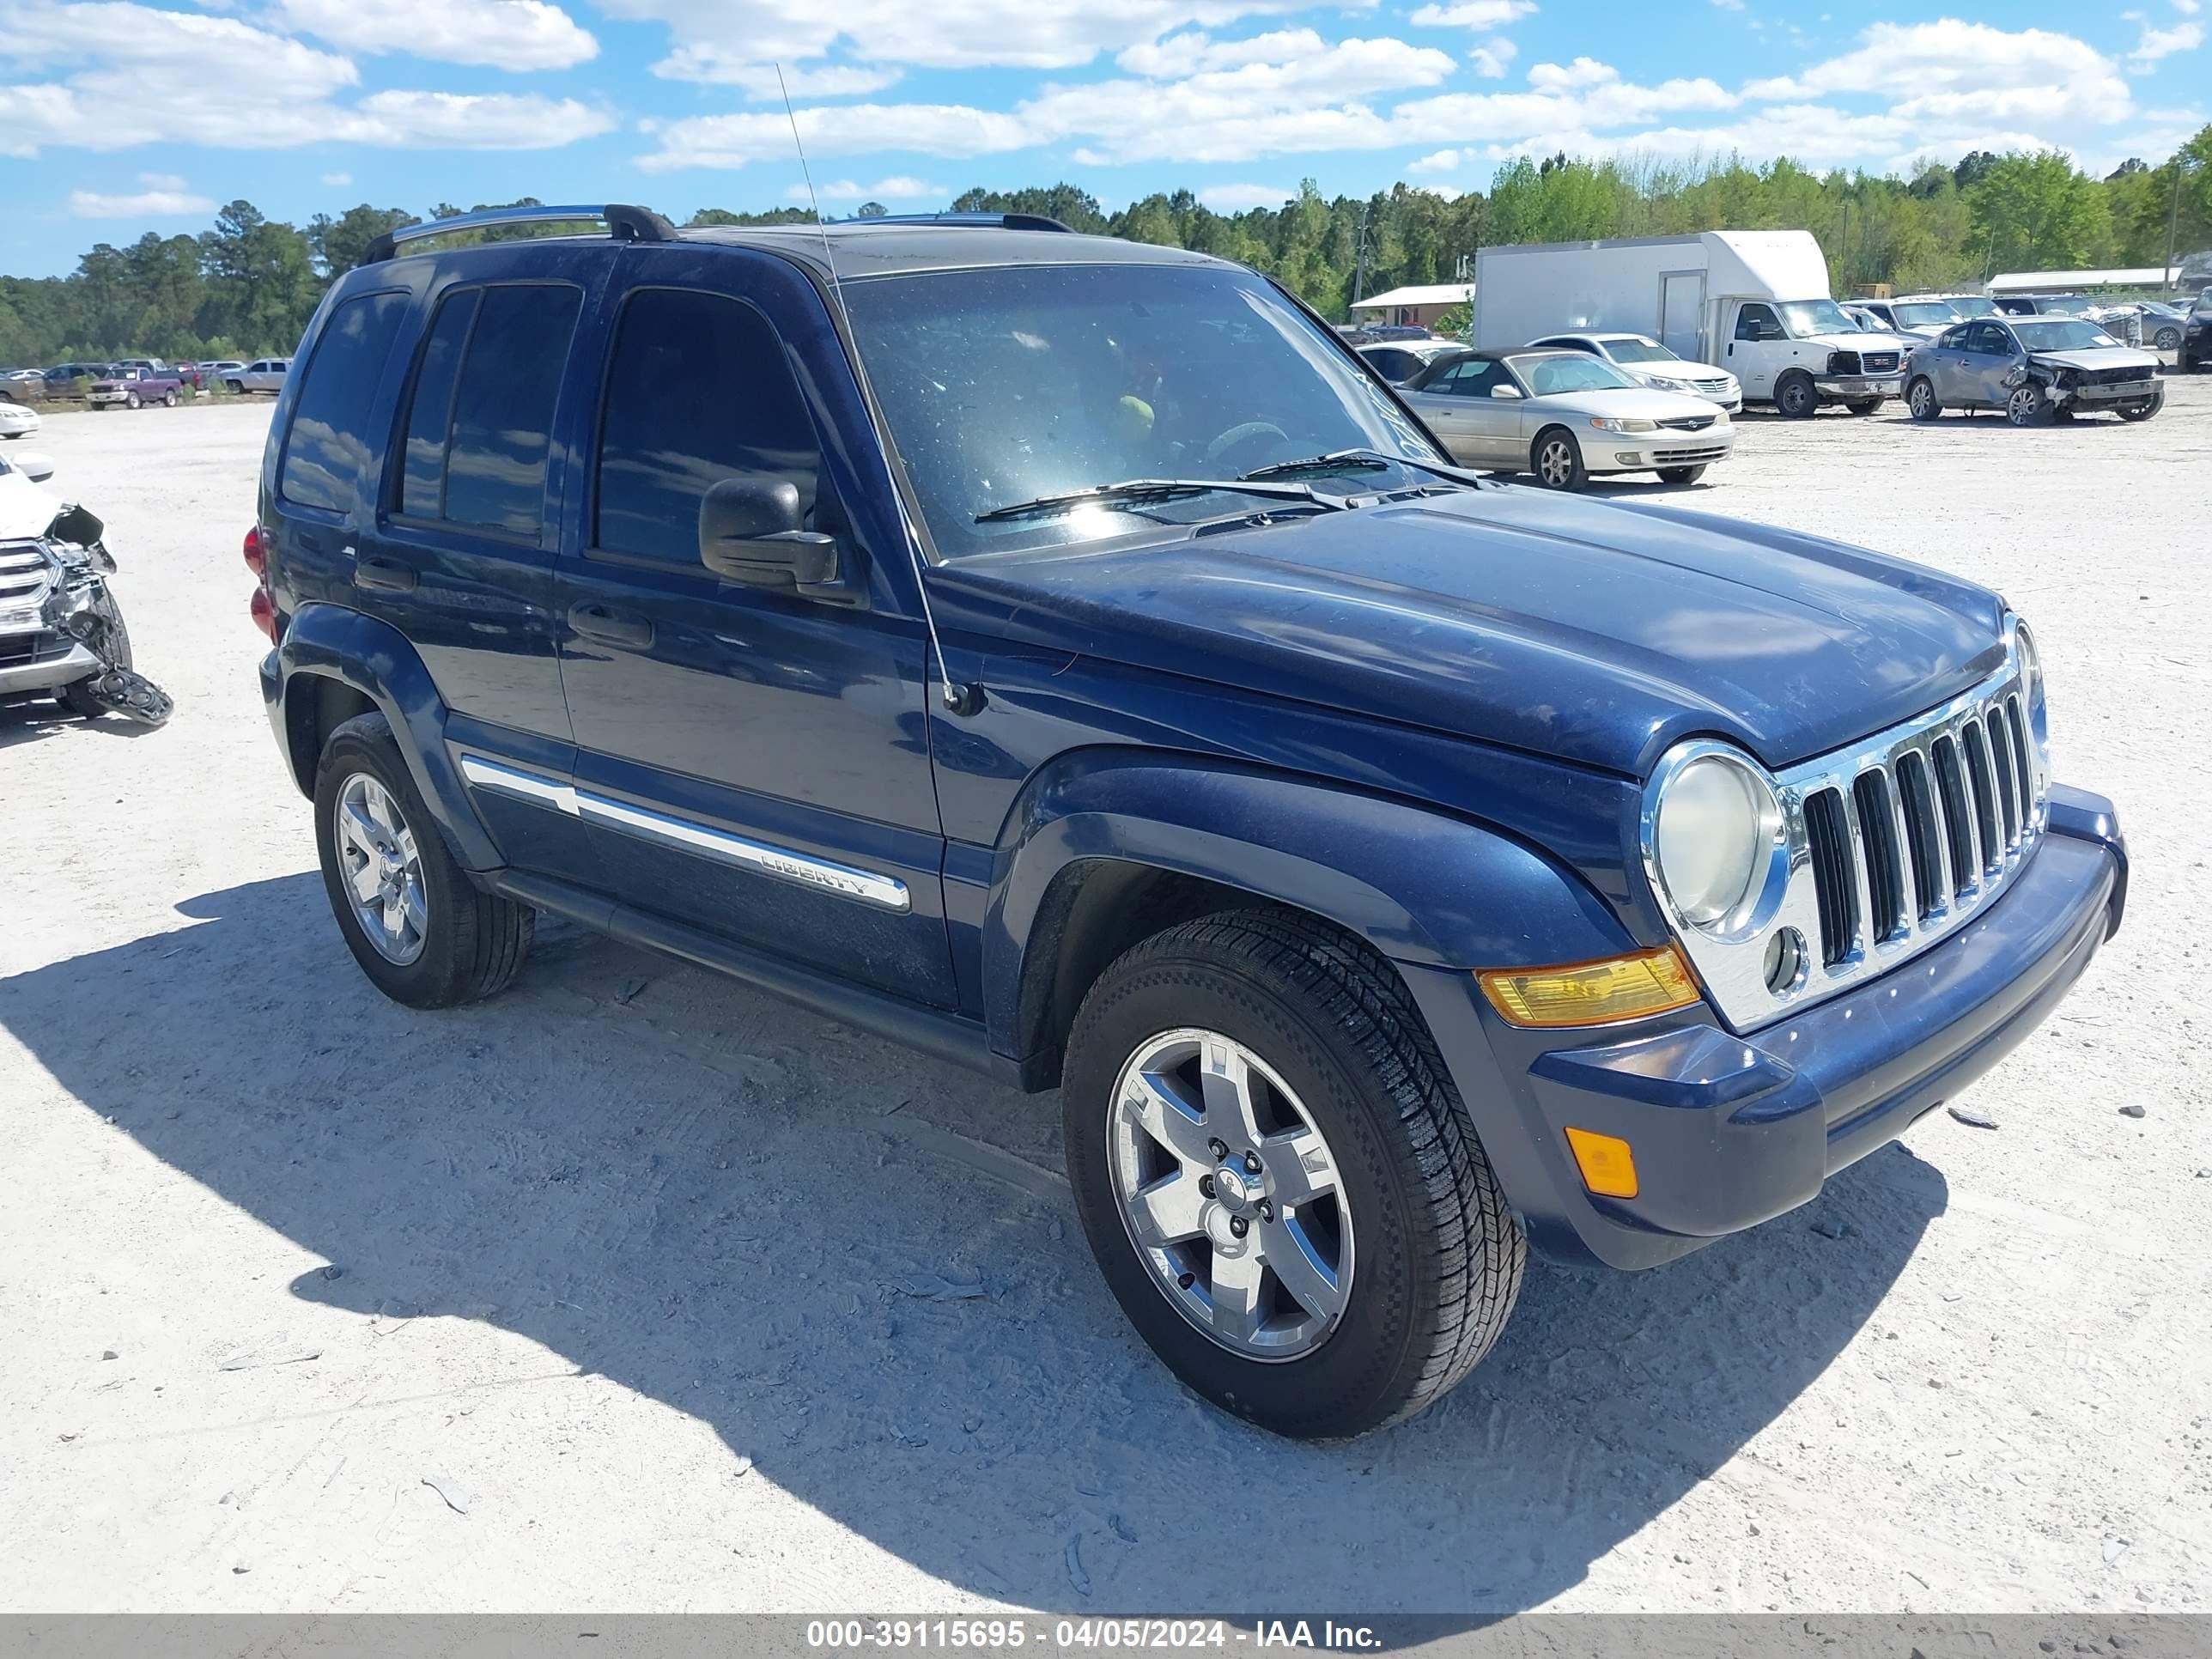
[
  {"x": 1884, "y": 847},
  {"x": 1688, "y": 423},
  {"x": 1711, "y": 388},
  {"x": 1879, "y": 362},
  {"x": 1896, "y": 862},
  {"x": 25, "y": 573}
]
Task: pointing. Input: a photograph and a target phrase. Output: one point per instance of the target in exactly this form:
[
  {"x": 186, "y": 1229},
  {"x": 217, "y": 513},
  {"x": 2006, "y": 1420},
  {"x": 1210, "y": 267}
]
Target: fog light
[
  {"x": 1591, "y": 992},
  {"x": 1786, "y": 961},
  {"x": 1628, "y": 457},
  {"x": 1608, "y": 1168}
]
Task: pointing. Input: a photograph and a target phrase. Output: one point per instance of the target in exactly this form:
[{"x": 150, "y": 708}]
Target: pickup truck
[
  {"x": 132, "y": 386},
  {"x": 1070, "y": 658}
]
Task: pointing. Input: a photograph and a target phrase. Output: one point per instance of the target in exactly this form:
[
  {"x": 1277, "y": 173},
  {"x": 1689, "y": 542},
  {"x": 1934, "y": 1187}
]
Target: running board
[{"x": 935, "y": 1031}]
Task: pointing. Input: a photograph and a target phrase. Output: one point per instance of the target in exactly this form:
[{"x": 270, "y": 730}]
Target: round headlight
[{"x": 1716, "y": 824}]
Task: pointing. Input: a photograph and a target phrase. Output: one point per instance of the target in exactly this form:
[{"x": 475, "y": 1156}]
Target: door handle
[
  {"x": 624, "y": 628},
  {"x": 386, "y": 575}
]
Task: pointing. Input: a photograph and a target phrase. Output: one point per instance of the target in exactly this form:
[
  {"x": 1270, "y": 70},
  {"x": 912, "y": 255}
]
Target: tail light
[
  {"x": 263, "y": 612},
  {"x": 261, "y": 607},
  {"x": 256, "y": 560}
]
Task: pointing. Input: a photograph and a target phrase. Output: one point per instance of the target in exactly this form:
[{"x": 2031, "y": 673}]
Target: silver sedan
[{"x": 1565, "y": 416}]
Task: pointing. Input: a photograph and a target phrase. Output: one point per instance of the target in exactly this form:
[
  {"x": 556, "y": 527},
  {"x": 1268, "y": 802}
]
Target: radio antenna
[{"x": 958, "y": 699}]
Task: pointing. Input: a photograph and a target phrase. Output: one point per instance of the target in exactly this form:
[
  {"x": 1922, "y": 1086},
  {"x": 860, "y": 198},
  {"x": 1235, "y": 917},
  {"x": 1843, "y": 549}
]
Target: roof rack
[
  {"x": 624, "y": 223},
  {"x": 978, "y": 221}
]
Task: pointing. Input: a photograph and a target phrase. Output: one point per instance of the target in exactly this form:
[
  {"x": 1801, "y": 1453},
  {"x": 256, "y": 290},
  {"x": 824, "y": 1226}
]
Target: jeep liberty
[{"x": 1068, "y": 657}]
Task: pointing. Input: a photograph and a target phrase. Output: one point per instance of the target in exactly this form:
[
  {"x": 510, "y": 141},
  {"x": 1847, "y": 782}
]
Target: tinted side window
[
  {"x": 486, "y": 429},
  {"x": 697, "y": 390},
  {"x": 326, "y": 452},
  {"x": 1757, "y": 322}
]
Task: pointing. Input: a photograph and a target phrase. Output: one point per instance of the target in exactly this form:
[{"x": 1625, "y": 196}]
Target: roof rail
[
  {"x": 624, "y": 223},
  {"x": 978, "y": 221}
]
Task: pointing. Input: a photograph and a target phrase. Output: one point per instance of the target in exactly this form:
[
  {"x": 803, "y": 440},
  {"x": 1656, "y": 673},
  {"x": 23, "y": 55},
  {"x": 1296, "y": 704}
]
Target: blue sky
[{"x": 118, "y": 117}]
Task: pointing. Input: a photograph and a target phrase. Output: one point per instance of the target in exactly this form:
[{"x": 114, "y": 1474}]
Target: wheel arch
[
  {"x": 334, "y": 664},
  {"x": 1108, "y": 847}
]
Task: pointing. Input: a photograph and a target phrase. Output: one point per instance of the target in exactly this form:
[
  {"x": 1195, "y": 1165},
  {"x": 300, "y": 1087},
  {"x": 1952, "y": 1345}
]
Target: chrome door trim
[{"x": 866, "y": 886}]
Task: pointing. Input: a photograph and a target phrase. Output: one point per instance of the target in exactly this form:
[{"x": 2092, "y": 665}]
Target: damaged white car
[{"x": 2036, "y": 369}]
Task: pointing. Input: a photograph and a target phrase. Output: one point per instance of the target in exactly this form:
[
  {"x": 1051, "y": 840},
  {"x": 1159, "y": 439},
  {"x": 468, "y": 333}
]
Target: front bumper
[
  {"x": 1856, "y": 386},
  {"x": 105, "y": 397},
  {"x": 1729, "y": 1132},
  {"x": 1647, "y": 452},
  {"x": 57, "y": 660},
  {"x": 2110, "y": 396}
]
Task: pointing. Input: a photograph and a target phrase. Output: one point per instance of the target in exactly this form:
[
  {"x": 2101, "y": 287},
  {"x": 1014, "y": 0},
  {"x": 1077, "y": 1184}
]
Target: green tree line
[{"x": 246, "y": 287}]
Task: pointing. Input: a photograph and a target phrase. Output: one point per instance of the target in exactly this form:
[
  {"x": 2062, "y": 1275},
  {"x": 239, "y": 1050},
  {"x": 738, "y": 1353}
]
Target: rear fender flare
[
  {"x": 333, "y": 643},
  {"x": 1420, "y": 886}
]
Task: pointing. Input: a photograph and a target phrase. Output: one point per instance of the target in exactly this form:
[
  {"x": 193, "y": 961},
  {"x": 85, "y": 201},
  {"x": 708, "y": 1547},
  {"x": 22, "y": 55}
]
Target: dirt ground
[{"x": 600, "y": 1297}]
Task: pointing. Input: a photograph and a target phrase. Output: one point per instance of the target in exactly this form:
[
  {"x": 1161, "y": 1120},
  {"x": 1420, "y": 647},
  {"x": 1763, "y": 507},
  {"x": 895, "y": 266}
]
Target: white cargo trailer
[{"x": 1754, "y": 302}]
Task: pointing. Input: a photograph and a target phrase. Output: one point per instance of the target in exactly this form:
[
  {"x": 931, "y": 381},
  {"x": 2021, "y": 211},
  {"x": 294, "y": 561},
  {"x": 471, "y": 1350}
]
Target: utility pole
[
  {"x": 1360, "y": 256},
  {"x": 2168, "y": 281}
]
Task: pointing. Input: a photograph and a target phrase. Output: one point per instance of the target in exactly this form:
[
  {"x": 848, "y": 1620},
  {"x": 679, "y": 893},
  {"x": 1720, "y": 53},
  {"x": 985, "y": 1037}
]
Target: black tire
[
  {"x": 1556, "y": 447},
  {"x": 237, "y": 387},
  {"x": 474, "y": 942},
  {"x": 168, "y": 400},
  {"x": 1865, "y": 406},
  {"x": 1795, "y": 396},
  {"x": 2167, "y": 339},
  {"x": 1920, "y": 399},
  {"x": 1681, "y": 475},
  {"x": 2140, "y": 411},
  {"x": 132, "y": 400},
  {"x": 2025, "y": 405},
  {"x": 1440, "y": 1256}
]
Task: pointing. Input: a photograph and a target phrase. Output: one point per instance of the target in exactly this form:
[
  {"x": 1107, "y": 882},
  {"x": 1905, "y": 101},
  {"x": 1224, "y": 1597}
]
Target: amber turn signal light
[
  {"x": 1591, "y": 992},
  {"x": 1608, "y": 1167}
]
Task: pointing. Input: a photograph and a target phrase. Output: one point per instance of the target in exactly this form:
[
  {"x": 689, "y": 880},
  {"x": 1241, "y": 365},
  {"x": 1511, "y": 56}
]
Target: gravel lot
[{"x": 597, "y": 1296}]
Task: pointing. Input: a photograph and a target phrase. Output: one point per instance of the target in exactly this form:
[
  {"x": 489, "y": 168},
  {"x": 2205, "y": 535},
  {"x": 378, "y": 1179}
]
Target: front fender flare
[
  {"x": 1419, "y": 886},
  {"x": 332, "y": 641}
]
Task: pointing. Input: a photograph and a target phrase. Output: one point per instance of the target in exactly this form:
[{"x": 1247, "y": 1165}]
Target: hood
[
  {"x": 26, "y": 509},
  {"x": 1864, "y": 342},
  {"x": 2098, "y": 357},
  {"x": 1595, "y": 632},
  {"x": 1680, "y": 369}
]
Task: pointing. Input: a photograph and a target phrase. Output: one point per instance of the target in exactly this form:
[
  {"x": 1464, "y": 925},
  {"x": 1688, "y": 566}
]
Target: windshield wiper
[
  {"x": 1365, "y": 461},
  {"x": 1133, "y": 491}
]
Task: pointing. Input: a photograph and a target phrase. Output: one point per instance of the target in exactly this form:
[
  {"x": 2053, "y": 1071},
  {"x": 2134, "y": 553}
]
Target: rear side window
[
  {"x": 480, "y": 419},
  {"x": 697, "y": 391},
  {"x": 327, "y": 451}
]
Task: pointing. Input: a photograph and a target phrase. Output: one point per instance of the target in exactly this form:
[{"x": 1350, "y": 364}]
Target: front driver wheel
[
  {"x": 1864, "y": 406},
  {"x": 2168, "y": 339},
  {"x": 1795, "y": 396},
  {"x": 1557, "y": 460},
  {"x": 2140, "y": 411},
  {"x": 1681, "y": 475},
  {"x": 2027, "y": 406},
  {"x": 1277, "y": 1179},
  {"x": 420, "y": 930}
]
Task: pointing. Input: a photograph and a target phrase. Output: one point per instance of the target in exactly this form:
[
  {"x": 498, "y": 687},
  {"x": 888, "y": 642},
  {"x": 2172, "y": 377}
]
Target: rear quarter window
[{"x": 327, "y": 453}]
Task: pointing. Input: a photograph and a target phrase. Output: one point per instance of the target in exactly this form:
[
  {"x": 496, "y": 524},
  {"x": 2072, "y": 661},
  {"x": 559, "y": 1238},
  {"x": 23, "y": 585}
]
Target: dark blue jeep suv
[{"x": 1068, "y": 657}]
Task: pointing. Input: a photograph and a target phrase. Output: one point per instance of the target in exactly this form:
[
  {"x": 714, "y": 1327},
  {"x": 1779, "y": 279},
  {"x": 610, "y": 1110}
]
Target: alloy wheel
[
  {"x": 2021, "y": 406},
  {"x": 382, "y": 869},
  {"x": 1924, "y": 397},
  {"x": 1555, "y": 462},
  {"x": 1230, "y": 1194}
]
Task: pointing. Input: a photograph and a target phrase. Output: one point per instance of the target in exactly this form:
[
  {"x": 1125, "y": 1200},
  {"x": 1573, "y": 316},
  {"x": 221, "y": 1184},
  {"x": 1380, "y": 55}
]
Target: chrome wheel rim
[
  {"x": 1230, "y": 1194},
  {"x": 1554, "y": 464},
  {"x": 1922, "y": 396},
  {"x": 2021, "y": 405},
  {"x": 381, "y": 868}
]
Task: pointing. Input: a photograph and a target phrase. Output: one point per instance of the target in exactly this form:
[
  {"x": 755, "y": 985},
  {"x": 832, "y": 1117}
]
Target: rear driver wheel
[{"x": 1277, "y": 1179}]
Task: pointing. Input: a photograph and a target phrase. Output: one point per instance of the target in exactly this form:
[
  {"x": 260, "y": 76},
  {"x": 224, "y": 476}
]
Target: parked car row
[{"x": 18, "y": 386}]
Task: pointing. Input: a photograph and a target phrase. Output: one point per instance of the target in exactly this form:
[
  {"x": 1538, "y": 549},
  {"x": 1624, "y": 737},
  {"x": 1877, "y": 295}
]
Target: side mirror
[
  {"x": 749, "y": 532},
  {"x": 38, "y": 466},
  {"x": 1504, "y": 391}
]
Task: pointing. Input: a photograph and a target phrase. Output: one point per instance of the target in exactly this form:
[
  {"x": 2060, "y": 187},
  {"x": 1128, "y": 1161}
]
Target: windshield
[
  {"x": 2061, "y": 334},
  {"x": 1550, "y": 377},
  {"x": 1924, "y": 314},
  {"x": 1973, "y": 305},
  {"x": 1639, "y": 351},
  {"x": 1804, "y": 317},
  {"x": 1003, "y": 385}
]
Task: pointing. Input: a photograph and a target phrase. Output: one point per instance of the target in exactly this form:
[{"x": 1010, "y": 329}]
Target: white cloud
[
  {"x": 883, "y": 190},
  {"x": 1958, "y": 72},
  {"x": 2155, "y": 44},
  {"x": 114, "y": 70},
  {"x": 713, "y": 66},
  {"x": 1583, "y": 72},
  {"x": 1473, "y": 14},
  {"x": 338, "y": 180},
  {"x": 510, "y": 34},
  {"x": 165, "y": 196},
  {"x": 1730, "y": 5},
  {"x": 946, "y": 35},
  {"x": 1240, "y": 198},
  {"x": 1194, "y": 52},
  {"x": 1490, "y": 57},
  {"x": 2186, "y": 8},
  {"x": 1441, "y": 160}
]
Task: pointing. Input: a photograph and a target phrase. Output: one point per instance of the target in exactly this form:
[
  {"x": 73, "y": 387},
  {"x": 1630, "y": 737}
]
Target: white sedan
[
  {"x": 1644, "y": 360},
  {"x": 16, "y": 421},
  {"x": 1565, "y": 416}
]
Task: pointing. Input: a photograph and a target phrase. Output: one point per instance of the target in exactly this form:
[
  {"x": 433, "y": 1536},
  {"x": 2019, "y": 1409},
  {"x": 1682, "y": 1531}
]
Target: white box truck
[{"x": 1753, "y": 303}]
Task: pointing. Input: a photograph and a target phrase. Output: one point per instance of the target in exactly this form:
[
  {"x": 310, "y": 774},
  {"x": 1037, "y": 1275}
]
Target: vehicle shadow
[
  {"x": 27, "y": 720},
  {"x": 768, "y": 1223}
]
